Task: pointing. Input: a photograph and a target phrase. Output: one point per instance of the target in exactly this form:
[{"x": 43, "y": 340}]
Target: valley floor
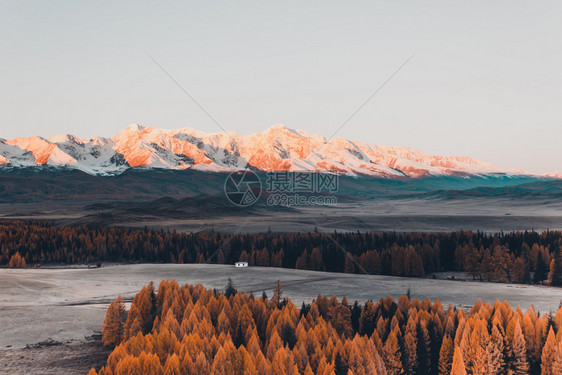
[
  {"x": 490, "y": 214},
  {"x": 54, "y": 358},
  {"x": 68, "y": 304}
]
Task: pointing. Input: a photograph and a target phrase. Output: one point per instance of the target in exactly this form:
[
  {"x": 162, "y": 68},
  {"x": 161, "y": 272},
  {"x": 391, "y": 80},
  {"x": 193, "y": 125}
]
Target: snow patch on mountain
[{"x": 59, "y": 157}]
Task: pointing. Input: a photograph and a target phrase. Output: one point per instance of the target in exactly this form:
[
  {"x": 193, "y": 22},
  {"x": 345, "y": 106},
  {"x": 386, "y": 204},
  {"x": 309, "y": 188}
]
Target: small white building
[{"x": 240, "y": 264}]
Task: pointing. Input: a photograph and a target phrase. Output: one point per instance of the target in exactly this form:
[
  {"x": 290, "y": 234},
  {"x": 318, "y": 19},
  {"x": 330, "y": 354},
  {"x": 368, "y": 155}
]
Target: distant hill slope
[
  {"x": 34, "y": 184},
  {"x": 535, "y": 189}
]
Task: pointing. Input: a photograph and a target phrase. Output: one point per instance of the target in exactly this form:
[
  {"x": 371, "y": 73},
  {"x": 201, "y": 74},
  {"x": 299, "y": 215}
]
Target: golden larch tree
[
  {"x": 17, "y": 261},
  {"x": 391, "y": 354},
  {"x": 446, "y": 355},
  {"x": 519, "y": 363},
  {"x": 113, "y": 325},
  {"x": 458, "y": 367},
  {"x": 549, "y": 353}
]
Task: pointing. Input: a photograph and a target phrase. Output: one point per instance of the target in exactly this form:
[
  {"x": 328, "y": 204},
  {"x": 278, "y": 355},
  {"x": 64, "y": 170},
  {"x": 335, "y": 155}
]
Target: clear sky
[{"x": 485, "y": 82}]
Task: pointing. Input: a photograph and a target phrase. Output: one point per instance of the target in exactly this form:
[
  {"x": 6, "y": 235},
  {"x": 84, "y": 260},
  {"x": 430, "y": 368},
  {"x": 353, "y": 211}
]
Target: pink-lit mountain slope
[{"x": 276, "y": 149}]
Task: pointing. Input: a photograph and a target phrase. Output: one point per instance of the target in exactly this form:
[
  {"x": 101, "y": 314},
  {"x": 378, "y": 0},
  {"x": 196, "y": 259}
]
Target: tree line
[
  {"x": 192, "y": 330},
  {"x": 523, "y": 257}
]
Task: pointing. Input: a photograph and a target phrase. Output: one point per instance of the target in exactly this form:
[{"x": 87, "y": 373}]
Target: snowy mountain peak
[
  {"x": 66, "y": 138},
  {"x": 134, "y": 127},
  {"x": 278, "y": 148},
  {"x": 279, "y": 128},
  {"x": 554, "y": 175}
]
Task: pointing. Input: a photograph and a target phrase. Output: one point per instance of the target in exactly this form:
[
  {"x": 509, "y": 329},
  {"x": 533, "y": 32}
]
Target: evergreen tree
[
  {"x": 540, "y": 271},
  {"x": 277, "y": 294},
  {"x": 424, "y": 348},
  {"x": 367, "y": 319},
  {"x": 229, "y": 290},
  {"x": 486, "y": 266},
  {"x": 355, "y": 315},
  {"x": 340, "y": 367}
]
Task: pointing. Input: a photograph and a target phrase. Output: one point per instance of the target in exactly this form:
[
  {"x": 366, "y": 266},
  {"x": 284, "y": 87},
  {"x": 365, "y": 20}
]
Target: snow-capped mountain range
[{"x": 276, "y": 149}]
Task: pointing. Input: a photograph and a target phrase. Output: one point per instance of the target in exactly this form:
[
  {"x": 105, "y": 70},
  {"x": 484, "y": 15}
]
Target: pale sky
[{"x": 485, "y": 82}]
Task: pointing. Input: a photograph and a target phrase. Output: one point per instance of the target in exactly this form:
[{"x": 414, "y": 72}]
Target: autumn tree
[
  {"x": 486, "y": 265},
  {"x": 557, "y": 365},
  {"x": 284, "y": 363},
  {"x": 316, "y": 260},
  {"x": 340, "y": 318},
  {"x": 349, "y": 265},
  {"x": 555, "y": 274},
  {"x": 17, "y": 261},
  {"x": 134, "y": 323},
  {"x": 458, "y": 367},
  {"x": 221, "y": 364},
  {"x": 472, "y": 262},
  {"x": 172, "y": 366},
  {"x": 520, "y": 270},
  {"x": 519, "y": 363},
  {"x": 549, "y": 354},
  {"x": 392, "y": 354},
  {"x": 494, "y": 351},
  {"x": 501, "y": 256},
  {"x": 113, "y": 324},
  {"x": 199, "y": 331},
  {"x": 446, "y": 355},
  {"x": 411, "y": 347}
]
